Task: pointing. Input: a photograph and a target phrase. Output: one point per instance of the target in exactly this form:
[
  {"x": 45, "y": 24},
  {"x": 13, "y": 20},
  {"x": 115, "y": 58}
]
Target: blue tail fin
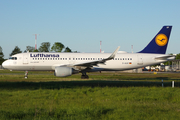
[{"x": 159, "y": 43}]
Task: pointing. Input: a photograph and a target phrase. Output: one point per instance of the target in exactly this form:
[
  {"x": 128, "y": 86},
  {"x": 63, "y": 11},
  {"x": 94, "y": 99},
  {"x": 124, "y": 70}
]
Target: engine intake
[{"x": 64, "y": 71}]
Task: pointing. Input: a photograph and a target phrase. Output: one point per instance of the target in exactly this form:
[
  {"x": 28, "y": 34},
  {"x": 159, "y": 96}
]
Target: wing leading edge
[{"x": 95, "y": 63}]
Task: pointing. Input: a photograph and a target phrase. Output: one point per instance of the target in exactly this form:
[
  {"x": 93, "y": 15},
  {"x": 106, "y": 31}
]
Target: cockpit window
[{"x": 13, "y": 58}]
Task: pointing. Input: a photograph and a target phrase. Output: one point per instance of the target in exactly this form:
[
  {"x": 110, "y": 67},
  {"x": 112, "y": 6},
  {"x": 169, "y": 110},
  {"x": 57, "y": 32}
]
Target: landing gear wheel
[{"x": 84, "y": 76}]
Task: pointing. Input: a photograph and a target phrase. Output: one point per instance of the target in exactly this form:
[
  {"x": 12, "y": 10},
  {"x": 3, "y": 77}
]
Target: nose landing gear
[{"x": 26, "y": 75}]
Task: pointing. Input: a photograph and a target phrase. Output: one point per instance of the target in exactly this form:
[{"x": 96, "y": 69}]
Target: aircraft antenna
[{"x": 36, "y": 40}]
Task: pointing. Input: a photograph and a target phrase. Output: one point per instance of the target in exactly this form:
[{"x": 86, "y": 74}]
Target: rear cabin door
[{"x": 140, "y": 60}]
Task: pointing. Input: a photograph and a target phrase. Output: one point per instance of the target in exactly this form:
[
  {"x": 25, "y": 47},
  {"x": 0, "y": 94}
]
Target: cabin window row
[{"x": 79, "y": 59}]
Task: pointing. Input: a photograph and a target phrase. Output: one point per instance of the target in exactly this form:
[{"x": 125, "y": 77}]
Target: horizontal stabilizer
[{"x": 165, "y": 57}]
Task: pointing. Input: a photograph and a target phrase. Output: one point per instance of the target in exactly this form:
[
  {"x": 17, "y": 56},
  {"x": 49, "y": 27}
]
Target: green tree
[
  {"x": 15, "y": 51},
  {"x": 67, "y": 49},
  {"x": 44, "y": 47},
  {"x": 178, "y": 56},
  {"x": 1, "y": 56},
  {"x": 35, "y": 50},
  {"x": 57, "y": 47},
  {"x": 29, "y": 48}
]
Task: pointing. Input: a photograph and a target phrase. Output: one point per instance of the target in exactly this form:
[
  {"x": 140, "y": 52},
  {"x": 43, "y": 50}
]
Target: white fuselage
[{"x": 48, "y": 61}]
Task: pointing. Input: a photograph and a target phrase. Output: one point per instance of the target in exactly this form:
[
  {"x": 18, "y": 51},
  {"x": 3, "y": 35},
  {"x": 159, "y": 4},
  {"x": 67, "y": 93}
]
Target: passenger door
[{"x": 140, "y": 60}]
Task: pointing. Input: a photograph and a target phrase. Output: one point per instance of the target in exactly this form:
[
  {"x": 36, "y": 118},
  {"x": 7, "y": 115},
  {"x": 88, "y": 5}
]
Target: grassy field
[{"x": 103, "y": 96}]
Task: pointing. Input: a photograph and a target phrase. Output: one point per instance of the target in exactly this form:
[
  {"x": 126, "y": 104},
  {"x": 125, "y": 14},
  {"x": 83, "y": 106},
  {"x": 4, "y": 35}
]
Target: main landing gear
[
  {"x": 26, "y": 75},
  {"x": 84, "y": 76}
]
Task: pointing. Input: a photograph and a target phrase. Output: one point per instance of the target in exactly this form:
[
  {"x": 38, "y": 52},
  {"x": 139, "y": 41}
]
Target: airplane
[{"x": 66, "y": 64}]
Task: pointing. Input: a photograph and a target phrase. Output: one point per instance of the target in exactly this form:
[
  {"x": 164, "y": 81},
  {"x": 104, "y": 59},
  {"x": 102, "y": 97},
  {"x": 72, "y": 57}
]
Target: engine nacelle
[{"x": 63, "y": 71}]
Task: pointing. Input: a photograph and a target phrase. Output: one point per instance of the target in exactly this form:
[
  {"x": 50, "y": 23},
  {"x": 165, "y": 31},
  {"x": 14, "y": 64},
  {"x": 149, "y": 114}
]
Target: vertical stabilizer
[{"x": 160, "y": 42}]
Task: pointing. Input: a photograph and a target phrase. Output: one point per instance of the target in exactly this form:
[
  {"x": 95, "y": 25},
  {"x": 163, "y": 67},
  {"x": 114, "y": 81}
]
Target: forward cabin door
[{"x": 25, "y": 58}]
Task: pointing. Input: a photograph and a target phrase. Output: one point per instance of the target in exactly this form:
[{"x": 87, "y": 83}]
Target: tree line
[{"x": 45, "y": 47}]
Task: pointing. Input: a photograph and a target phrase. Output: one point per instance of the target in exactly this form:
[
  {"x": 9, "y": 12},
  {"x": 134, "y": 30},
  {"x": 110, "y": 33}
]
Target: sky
[{"x": 82, "y": 24}]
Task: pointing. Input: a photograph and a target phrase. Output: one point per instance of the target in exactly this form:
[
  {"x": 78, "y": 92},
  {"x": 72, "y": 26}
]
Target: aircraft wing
[{"x": 95, "y": 63}]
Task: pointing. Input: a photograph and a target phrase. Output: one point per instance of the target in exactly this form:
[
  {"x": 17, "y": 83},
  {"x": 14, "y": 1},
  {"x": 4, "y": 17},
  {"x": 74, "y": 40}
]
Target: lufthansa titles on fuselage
[{"x": 44, "y": 55}]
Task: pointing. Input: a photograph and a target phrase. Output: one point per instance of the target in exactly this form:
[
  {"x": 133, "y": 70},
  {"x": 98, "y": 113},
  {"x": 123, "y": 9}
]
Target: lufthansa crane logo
[{"x": 161, "y": 39}]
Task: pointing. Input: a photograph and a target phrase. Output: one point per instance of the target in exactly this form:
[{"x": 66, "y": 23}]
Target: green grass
[
  {"x": 104, "y": 96},
  {"x": 91, "y": 103}
]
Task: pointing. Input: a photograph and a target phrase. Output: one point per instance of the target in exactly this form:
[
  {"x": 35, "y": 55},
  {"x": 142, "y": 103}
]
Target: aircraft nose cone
[{"x": 4, "y": 64}]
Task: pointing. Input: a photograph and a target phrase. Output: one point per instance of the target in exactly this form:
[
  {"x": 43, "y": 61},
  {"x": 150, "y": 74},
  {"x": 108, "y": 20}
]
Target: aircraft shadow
[{"x": 75, "y": 84}]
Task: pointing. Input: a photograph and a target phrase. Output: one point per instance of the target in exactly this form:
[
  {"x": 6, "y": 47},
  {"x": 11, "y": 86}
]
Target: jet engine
[{"x": 64, "y": 71}]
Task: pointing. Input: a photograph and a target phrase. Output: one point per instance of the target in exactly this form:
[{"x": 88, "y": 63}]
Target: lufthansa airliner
[{"x": 66, "y": 64}]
